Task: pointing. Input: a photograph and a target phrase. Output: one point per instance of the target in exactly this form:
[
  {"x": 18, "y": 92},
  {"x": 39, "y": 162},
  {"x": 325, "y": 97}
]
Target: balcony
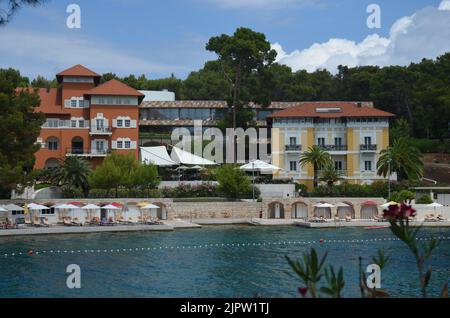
[
  {"x": 90, "y": 153},
  {"x": 334, "y": 147},
  {"x": 293, "y": 148},
  {"x": 368, "y": 148},
  {"x": 342, "y": 173},
  {"x": 100, "y": 131}
]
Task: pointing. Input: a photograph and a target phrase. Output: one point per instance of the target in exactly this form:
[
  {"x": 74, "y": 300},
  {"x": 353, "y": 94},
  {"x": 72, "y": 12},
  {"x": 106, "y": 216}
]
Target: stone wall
[{"x": 215, "y": 210}]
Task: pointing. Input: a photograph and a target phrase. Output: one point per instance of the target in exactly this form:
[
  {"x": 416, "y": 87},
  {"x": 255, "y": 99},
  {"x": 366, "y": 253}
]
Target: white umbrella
[
  {"x": 434, "y": 205},
  {"x": 66, "y": 207},
  {"x": 91, "y": 207},
  {"x": 111, "y": 207},
  {"x": 37, "y": 207},
  {"x": 13, "y": 207},
  {"x": 150, "y": 206},
  {"x": 69, "y": 207},
  {"x": 342, "y": 205},
  {"x": 261, "y": 167},
  {"x": 3, "y": 210}
]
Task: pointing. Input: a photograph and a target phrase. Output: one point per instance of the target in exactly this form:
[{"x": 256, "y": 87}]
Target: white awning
[
  {"x": 187, "y": 158},
  {"x": 156, "y": 156}
]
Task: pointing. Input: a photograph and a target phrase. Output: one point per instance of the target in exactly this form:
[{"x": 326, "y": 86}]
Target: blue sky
[{"x": 158, "y": 38}]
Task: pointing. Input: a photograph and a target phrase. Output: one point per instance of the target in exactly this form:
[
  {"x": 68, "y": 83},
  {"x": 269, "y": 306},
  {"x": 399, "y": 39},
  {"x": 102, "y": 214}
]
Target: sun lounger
[
  {"x": 68, "y": 222},
  {"x": 431, "y": 218},
  {"x": 348, "y": 219},
  {"x": 76, "y": 222},
  {"x": 45, "y": 222}
]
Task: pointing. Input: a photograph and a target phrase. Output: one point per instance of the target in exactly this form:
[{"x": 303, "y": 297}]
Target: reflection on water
[{"x": 204, "y": 272}]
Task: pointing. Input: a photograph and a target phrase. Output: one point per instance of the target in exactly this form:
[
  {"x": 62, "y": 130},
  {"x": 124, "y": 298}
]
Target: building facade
[
  {"x": 353, "y": 133},
  {"x": 87, "y": 119}
]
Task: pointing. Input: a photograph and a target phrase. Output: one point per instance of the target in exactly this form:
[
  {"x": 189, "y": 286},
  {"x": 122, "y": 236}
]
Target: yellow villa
[{"x": 354, "y": 133}]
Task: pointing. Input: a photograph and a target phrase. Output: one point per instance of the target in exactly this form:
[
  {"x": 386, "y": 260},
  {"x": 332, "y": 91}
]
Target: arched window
[{"x": 51, "y": 163}]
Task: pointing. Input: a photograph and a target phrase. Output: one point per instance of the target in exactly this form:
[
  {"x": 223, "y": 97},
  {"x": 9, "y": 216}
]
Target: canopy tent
[
  {"x": 187, "y": 158},
  {"x": 156, "y": 156}
]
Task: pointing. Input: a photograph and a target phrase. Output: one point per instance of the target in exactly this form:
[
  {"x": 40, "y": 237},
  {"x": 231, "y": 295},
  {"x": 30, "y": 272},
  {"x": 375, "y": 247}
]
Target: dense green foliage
[
  {"x": 424, "y": 199},
  {"x": 377, "y": 189},
  {"x": 73, "y": 172},
  {"x": 403, "y": 158},
  {"x": 318, "y": 158},
  {"x": 19, "y": 128},
  {"x": 234, "y": 183},
  {"x": 124, "y": 172},
  {"x": 329, "y": 174}
]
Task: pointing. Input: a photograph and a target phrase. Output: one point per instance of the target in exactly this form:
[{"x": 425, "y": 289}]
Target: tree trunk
[{"x": 315, "y": 176}]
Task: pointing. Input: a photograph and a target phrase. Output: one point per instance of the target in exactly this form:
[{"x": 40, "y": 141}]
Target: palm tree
[
  {"x": 330, "y": 175},
  {"x": 73, "y": 172},
  {"x": 317, "y": 157},
  {"x": 402, "y": 158}
]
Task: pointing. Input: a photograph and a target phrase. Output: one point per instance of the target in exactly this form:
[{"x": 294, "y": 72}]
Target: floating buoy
[
  {"x": 30, "y": 252},
  {"x": 321, "y": 241}
]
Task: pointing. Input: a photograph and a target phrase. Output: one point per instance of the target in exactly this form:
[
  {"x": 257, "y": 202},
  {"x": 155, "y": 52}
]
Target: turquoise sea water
[{"x": 169, "y": 270}]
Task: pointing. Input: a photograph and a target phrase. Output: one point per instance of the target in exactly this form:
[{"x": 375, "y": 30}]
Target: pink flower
[
  {"x": 303, "y": 291},
  {"x": 403, "y": 212}
]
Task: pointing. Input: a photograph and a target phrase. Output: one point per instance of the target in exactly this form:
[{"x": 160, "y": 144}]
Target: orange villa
[{"x": 87, "y": 119}]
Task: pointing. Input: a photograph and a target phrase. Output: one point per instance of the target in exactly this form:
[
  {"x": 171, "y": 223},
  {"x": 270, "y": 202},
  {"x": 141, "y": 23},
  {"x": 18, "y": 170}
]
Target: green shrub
[
  {"x": 425, "y": 199},
  {"x": 234, "y": 183}
]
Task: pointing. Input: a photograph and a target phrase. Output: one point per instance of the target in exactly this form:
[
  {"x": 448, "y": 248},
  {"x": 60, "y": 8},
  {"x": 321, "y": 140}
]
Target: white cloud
[
  {"x": 45, "y": 53},
  {"x": 445, "y": 5},
  {"x": 425, "y": 34},
  {"x": 258, "y": 4}
]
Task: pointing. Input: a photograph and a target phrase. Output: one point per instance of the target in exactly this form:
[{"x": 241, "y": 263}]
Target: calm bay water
[{"x": 205, "y": 272}]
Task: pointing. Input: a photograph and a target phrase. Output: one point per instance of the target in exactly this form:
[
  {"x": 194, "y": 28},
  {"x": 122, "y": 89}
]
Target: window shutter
[
  {"x": 133, "y": 145},
  {"x": 114, "y": 144},
  {"x": 114, "y": 123},
  {"x": 67, "y": 103},
  {"x": 134, "y": 124}
]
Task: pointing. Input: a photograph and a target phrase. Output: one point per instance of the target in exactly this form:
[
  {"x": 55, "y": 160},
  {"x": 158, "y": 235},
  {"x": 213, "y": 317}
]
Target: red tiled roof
[
  {"x": 343, "y": 109},
  {"x": 78, "y": 70},
  {"x": 115, "y": 87}
]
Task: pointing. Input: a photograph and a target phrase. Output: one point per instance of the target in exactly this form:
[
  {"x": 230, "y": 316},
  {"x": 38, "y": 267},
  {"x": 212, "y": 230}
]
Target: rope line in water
[{"x": 218, "y": 245}]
